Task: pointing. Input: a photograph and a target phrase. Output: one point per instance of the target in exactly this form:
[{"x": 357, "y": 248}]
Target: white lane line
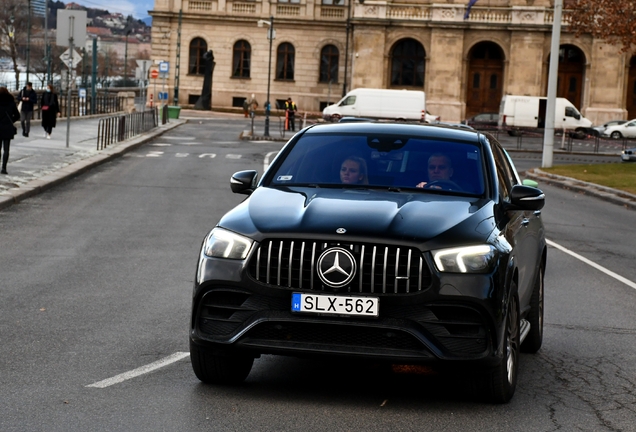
[
  {"x": 233, "y": 156},
  {"x": 140, "y": 371},
  {"x": 180, "y": 138},
  {"x": 593, "y": 264}
]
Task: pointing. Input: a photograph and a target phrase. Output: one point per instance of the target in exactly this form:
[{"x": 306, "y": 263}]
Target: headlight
[
  {"x": 226, "y": 244},
  {"x": 469, "y": 259}
]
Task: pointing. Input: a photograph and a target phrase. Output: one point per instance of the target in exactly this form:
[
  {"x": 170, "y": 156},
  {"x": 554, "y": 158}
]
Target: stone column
[{"x": 443, "y": 78}]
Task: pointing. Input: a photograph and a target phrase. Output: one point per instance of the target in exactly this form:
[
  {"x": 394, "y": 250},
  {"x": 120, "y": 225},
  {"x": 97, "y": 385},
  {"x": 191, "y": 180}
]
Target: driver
[{"x": 440, "y": 167}]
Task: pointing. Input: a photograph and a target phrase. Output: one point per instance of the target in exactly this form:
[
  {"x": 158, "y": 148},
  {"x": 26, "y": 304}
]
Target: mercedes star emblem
[{"x": 336, "y": 267}]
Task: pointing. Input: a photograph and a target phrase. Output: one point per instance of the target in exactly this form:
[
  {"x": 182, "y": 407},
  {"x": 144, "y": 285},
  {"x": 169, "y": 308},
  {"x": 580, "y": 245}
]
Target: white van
[
  {"x": 379, "y": 104},
  {"x": 529, "y": 112}
]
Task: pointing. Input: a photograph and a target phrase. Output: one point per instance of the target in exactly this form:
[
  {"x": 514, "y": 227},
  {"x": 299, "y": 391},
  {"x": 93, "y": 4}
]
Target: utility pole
[
  {"x": 553, "y": 74},
  {"x": 47, "y": 46}
]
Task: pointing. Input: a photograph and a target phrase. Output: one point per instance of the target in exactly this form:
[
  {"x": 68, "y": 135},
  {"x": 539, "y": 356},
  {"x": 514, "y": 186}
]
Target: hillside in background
[{"x": 117, "y": 22}]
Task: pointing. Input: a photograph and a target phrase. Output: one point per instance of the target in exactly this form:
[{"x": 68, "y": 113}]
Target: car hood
[{"x": 395, "y": 216}]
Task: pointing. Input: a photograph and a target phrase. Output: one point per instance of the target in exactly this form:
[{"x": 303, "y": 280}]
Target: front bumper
[{"x": 437, "y": 325}]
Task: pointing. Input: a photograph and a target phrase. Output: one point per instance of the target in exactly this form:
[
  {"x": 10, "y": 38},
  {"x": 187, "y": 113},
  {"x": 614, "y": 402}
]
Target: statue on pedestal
[{"x": 205, "y": 100}]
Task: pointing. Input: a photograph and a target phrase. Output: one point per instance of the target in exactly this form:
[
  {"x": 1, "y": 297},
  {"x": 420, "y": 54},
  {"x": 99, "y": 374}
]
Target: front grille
[{"x": 381, "y": 269}]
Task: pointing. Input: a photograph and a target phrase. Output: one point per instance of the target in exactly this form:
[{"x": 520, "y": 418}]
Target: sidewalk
[{"x": 36, "y": 163}]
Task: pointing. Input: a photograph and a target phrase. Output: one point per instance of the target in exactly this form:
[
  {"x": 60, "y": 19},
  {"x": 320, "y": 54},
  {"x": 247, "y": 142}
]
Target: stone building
[{"x": 464, "y": 64}]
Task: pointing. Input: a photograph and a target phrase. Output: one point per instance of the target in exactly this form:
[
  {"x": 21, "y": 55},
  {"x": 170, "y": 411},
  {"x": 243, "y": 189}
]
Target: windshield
[{"x": 361, "y": 160}]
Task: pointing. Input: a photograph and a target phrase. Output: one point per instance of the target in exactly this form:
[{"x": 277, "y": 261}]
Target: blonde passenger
[{"x": 354, "y": 171}]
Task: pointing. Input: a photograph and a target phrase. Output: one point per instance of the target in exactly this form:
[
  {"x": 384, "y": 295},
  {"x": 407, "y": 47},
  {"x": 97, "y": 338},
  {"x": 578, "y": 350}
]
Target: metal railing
[
  {"x": 104, "y": 104},
  {"x": 82, "y": 106},
  {"x": 122, "y": 127}
]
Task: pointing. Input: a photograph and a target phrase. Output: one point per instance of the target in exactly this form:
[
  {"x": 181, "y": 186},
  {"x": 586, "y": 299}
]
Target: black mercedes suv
[{"x": 400, "y": 243}]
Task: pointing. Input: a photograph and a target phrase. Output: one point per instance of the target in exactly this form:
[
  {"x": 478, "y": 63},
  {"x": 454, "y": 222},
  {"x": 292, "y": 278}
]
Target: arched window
[
  {"x": 329, "y": 64},
  {"x": 285, "y": 62},
  {"x": 198, "y": 47},
  {"x": 241, "y": 59},
  {"x": 407, "y": 64}
]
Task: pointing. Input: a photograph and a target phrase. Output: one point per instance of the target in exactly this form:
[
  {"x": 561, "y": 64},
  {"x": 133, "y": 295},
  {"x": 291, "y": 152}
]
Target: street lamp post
[
  {"x": 28, "y": 47},
  {"x": 126, "y": 59},
  {"x": 270, "y": 35}
]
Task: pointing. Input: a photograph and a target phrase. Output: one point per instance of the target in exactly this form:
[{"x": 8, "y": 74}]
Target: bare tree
[
  {"x": 611, "y": 20},
  {"x": 14, "y": 17}
]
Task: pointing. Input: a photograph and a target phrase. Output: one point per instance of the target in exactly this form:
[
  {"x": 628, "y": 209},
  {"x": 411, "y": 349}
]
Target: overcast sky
[{"x": 138, "y": 8}]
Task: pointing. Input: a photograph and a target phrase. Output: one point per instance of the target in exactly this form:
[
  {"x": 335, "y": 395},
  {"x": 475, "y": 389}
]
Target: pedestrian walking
[
  {"x": 50, "y": 110},
  {"x": 9, "y": 114},
  {"x": 27, "y": 98},
  {"x": 290, "y": 112},
  {"x": 253, "y": 105}
]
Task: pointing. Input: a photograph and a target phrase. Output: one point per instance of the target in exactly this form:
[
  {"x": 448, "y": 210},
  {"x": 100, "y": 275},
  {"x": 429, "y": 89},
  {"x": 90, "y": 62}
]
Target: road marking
[
  {"x": 593, "y": 264},
  {"x": 161, "y": 145},
  {"x": 141, "y": 370},
  {"x": 233, "y": 156},
  {"x": 154, "y": 154},
  {"x": 210, "y": 155},
  {"x": 181, "y": 155},
  {"x": 177, "y": 138}
]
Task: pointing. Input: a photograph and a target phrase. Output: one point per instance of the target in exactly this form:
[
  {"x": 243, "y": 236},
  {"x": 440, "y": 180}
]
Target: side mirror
[
  {"x": 244, "y": 182},
  {"x": 526, "y": 198}
]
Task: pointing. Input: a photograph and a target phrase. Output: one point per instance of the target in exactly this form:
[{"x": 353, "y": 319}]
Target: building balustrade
[{"x": 382, "y": 10}]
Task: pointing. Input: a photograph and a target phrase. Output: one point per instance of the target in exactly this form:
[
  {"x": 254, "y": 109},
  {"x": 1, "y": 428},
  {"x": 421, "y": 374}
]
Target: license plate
[{"x": 333, "y": 304}]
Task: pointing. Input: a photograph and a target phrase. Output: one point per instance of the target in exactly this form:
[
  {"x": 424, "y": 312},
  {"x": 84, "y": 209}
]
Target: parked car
[
  {"x": 598, "y": 130},
  {"x": 628, "y": 155},
  {"x": 487, "y": 120},
  {"x": 429, "y": 249},
  {"x": 625, "y": 130}
]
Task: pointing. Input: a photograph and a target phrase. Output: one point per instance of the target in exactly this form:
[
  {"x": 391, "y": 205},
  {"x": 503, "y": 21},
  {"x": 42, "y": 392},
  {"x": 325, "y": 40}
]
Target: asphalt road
[{"x": 96, "y": 278}]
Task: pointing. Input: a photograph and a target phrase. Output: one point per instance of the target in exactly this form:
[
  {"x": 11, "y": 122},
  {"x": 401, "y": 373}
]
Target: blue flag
[{"x": 470, "y": 5}]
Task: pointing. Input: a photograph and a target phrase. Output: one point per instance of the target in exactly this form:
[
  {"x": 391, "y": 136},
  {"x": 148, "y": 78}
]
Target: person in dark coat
[
  {"x": 28, "y": 97},
  {"x": 50, "y": 110},
  {"x": 9, "y": 114}
]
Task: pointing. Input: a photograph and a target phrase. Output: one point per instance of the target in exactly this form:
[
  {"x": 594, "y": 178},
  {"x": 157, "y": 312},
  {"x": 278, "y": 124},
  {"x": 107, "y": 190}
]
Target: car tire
[
  {"x": 499, "y": 385},
  {"x": 580, "y": 133},
  {"x": 533, "y": 341},
  {"x": 214, "y": 367},
  {"x": 616, "y": 135}
]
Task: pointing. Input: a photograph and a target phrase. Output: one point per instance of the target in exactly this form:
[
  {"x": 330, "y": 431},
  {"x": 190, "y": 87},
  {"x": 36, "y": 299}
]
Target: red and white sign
[{"x": 154, "y": 74}]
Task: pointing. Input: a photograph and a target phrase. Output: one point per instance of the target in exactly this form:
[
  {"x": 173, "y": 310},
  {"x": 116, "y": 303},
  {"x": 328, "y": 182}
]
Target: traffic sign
[
  {"x": 144, "y": 64},
  {"x": 164, "y": 67},
  {"x": 66, "y": 58},
  {"x": 154, "y": 74}
]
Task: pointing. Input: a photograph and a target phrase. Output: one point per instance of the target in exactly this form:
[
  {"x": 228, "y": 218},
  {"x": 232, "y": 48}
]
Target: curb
[
  {"x": 68, "y": 172},
  {"x": 614, "y": 196}
]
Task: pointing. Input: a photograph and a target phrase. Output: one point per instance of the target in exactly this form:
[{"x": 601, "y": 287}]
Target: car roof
[{"x": 434, "y": 130}]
